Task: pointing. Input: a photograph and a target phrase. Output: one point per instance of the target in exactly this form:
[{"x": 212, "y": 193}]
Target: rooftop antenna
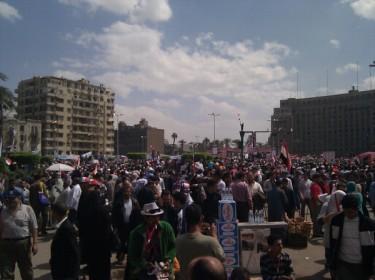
[
  {"x": 327, "y": 83},
  {"x": 357, "y": 69},
  {"x": 297, "y": 84}
]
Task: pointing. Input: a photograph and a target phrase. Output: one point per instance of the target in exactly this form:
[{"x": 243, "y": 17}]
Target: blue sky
[{"x": 174, "y": 62}]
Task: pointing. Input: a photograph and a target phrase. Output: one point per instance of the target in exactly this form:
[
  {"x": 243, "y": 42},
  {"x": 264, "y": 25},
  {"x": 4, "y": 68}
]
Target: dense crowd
[{"x": 159, "y": 216}]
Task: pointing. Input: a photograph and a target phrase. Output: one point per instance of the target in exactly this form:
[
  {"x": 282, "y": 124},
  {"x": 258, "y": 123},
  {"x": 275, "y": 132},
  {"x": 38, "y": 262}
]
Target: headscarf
[{"x": 351, "y": 188}]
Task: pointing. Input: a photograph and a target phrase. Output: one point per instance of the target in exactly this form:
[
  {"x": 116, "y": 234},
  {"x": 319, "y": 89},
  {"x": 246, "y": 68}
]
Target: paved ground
[{"x": 308, "y": 263}]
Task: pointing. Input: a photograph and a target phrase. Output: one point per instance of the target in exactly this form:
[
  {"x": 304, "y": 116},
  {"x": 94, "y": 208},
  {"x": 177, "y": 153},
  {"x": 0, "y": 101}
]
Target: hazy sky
[{"x": 174, "y": 62}]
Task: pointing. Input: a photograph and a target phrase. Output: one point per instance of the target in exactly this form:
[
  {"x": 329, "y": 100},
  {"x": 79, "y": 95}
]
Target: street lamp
[
  {"x": 371, "y": 66},
  {"x": 214, "y": 115}
]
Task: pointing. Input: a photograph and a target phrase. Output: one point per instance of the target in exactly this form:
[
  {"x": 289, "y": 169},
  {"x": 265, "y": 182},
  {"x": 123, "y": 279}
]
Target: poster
[
  {"x": 228, "y": 239},
  {"x": 253, "y": 245}
]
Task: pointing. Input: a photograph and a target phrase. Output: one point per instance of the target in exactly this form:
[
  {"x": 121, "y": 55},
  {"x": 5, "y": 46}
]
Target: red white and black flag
[{"x": 285, "y": 157}]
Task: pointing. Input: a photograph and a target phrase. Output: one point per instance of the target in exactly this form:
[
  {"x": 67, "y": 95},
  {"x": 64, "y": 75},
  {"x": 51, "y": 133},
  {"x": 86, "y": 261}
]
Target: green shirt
[
  {"x": 136, "y": 261},
  {"x": 192, "y": 245}
]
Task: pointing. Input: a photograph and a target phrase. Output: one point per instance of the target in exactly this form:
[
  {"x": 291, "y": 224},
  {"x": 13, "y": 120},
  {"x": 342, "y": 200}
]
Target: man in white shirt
[
  {"x": 73, "y": 201},
  {"x": 253, "y": 186},
  {"x": 64, "y": 197},
  {"x": 304, "y": 184},
  {"x": 352, "y": 243}
]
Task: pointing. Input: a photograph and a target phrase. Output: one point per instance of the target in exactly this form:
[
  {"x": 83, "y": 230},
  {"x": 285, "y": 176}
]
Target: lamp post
[
  {"x": 371, "y": 66},
  {"x": 214, "y": 115}
]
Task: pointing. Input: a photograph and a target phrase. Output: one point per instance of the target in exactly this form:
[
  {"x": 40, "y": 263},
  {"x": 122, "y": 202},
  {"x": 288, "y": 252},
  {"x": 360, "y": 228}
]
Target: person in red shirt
[{"x": 317, "y": 188}]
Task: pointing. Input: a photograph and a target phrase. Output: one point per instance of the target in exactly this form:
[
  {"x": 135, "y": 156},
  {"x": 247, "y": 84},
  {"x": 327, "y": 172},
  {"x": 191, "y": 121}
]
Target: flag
[{"x": 285, "y": 157}]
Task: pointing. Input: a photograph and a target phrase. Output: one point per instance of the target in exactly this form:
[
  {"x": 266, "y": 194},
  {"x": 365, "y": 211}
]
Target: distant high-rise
[
  {"x": 344, "y": 123},
  {"x": 76, "y": 116}
]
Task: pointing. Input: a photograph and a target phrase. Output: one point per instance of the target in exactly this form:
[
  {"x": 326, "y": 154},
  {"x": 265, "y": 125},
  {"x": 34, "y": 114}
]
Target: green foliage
[
  {"x": 136, "y": 155},
  {"x": 3, "y": 167},
  {"x": 25, "y": 158},
  {"x": 197, "y": 156},
  {"x": 46, "y": 160}
]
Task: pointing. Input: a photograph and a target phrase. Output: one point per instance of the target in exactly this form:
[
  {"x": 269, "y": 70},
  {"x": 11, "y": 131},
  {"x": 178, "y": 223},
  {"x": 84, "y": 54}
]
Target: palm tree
[
  {"x": 226, "y": 142},
  {"x": 182, "y": 142},
  {"x": 174, "y": 136},
  {"x": 206, "y": 143},
  {"x": 6, "y": 102}
]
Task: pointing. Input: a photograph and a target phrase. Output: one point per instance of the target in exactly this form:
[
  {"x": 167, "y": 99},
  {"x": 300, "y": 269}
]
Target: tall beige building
[{"x": 76, "y": 116}]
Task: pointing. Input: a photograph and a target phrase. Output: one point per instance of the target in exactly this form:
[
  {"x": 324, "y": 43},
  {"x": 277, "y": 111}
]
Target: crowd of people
[{"x": 159, "y": 217}]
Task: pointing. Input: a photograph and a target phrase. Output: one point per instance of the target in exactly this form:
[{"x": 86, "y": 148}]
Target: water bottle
[
  {"x": 225, "y": 194},
  {"x": 230, "y": 195},
  {"x": 251, "y": 217},
  {"x": 261, "y": 215}
]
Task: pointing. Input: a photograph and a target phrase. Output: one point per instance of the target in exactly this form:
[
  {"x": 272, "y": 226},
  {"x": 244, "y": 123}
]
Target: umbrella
[{"x": 60, "y": 167}]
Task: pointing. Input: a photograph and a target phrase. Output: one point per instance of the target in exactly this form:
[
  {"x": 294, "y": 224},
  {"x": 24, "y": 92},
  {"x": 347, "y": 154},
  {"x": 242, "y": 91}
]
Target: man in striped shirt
[
  {"x": 276, "y": 264},
  {"x": 242, "y": 197}
]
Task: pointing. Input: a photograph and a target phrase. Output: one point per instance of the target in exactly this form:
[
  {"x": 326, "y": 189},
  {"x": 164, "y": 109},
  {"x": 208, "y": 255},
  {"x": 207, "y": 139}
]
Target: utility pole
[
  {"x": 214, "y": 115},
  {"x": 371, "y": 66}
]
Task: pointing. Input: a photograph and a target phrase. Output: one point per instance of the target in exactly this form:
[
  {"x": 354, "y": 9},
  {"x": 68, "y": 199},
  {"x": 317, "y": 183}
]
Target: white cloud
[
  {"x": 226, "y": 110},
  {"x": 68, "y": 74},
  {"x": 350, "y": 67},
  {"x": 220, "y": 76},
  {"x": 9, "y": 12},
  {"x": 136, "y": 10},
  {"x": 166, "y": 103},
  {"x": 362, "y": 8},
  {"x": 335, "y": 43}
]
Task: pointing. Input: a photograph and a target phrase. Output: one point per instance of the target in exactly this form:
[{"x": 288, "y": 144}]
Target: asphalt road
[{"x": 308, "y": 263}]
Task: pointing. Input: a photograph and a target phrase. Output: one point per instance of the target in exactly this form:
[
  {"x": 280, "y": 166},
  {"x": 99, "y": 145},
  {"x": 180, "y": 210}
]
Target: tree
[
  {"x": 182, "y": 143},
  {"x": 174, "y": 137},
  {"x": 206, "y": 143},
  {"x": 226, "y": 142},
  {"x": 6, "y": 102}
]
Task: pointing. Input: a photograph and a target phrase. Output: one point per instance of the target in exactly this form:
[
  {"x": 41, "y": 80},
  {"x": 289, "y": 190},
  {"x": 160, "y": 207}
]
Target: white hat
[{"x": 151, "y": 209}]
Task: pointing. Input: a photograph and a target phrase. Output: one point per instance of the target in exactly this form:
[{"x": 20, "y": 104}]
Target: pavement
[{"x": 308, "y": 263}]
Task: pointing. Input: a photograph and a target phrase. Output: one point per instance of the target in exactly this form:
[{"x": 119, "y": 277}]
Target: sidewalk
[{"x": 308, "y": 263}]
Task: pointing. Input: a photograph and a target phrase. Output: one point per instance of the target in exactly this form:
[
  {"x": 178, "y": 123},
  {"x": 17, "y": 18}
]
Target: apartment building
[
  {"x": 22, "y": 136},
  {"x": 76, "y": 116},
  {"x": 343, "y": 123}
]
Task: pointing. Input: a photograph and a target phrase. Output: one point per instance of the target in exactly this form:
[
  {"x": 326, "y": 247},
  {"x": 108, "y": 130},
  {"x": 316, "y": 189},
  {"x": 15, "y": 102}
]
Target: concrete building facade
[
  {"x": 140, "y": 138},
  {"x": 343, "y": 123},
  {"x": 22, "y": 136},
  {"x": 76, "y": 116}
]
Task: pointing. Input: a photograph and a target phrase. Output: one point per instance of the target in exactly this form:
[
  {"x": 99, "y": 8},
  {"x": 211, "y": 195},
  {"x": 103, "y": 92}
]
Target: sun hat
[{"x": 151, "y": 209}]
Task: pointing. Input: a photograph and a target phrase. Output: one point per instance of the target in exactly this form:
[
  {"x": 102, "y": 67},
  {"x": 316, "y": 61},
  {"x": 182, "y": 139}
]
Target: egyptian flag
[{"x": 285, "y": 157}]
